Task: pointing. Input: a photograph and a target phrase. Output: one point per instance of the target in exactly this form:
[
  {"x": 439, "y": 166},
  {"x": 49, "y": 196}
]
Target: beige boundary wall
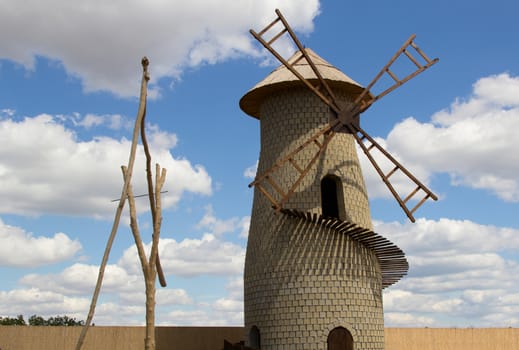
[
  {"x": 211, "y": 338},
  {"x": 116, "y": 338},
  {"x": 452, "y": 338}
]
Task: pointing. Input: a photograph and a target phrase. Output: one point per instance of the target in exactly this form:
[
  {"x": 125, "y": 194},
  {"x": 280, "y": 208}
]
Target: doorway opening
[
  {"x": 340, "y": 339},
  {"x": 254, "y": 338}
]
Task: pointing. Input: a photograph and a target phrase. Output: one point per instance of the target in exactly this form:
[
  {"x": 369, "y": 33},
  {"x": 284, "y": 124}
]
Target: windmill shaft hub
[{"x": 348, "y": 121}]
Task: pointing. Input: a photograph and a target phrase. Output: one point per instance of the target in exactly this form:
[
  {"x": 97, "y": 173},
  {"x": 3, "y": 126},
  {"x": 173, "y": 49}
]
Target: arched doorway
[
  {"x": 331, "y": 196},
  {"x": 340, "y": 339},
  {"x": 254, "y": 338}
]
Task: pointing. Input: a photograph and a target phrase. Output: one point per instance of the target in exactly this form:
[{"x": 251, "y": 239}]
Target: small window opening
[{"x": 330, "y": 186}]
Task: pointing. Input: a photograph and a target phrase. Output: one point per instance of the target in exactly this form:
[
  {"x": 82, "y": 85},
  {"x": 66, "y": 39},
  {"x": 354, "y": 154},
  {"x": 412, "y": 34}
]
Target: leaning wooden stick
[{"x": 124, "y": 194}]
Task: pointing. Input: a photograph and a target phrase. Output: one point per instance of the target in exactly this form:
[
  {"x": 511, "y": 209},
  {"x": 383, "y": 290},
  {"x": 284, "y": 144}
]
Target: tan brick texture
[{"x": 303, "y": 280}]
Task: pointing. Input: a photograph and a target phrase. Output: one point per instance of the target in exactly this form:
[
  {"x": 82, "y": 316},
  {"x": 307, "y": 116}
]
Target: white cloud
[
  {"x": 192, "y": 257},
  {"x": 7, "y": 112},
  {"x": 450, "y": 237},
  {"x": 235, "y": 289},
  {"x": 451, "y": 277},
  {"x": 459, "y": 270},
  {"x": 205, "y": 316},
  {"x": 473, "y": 141},
  {"x": 219, "y": 227},
  {"x": 102, "y": 42},
  {"x": 43, "y": 303},
  {"x": 245, "y": 226},
  {"x": 111, "y": 313},
  {"x": 164, "y": 296},
  {"x": 69, "y": 292},
  {"x": 226, "y": 305},
  {"x": 397, "y": 319},
  {"x": 173, "y": 297},
  {"x": 45, "y": 168},
  {"x": 501, "y": 89},
  {"x": 251, "y": 171},
  {"x": 197, "y": 317},
  {"x": 81, "y": 278},
  {"x": 205, "y": 256},
  {"x": 90, "y": 120},
  {"x": 22, "y": 249},
  {"x": 123, "y": 296},
  {"x": 231, "y": 306}
]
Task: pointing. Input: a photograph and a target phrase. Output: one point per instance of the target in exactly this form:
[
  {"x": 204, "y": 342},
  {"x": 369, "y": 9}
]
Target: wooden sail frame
[{"x": 346, "y": 119}]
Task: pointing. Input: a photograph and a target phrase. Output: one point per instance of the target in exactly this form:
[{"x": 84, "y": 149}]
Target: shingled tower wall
[{"x": 303, "y": 280}]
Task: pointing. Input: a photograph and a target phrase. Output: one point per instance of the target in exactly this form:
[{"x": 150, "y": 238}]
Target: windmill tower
[{"x": 314, "y": 269}]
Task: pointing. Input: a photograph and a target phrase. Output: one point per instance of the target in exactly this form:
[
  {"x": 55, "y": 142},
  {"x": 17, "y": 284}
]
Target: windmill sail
[{"x": 306, "y": 66}]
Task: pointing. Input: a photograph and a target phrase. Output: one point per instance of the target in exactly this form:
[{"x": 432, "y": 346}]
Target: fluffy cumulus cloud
[
  {"x": 459, "y": 270},
  {"x": 193, "y": 257},
  {"x": 209, "y": 255},
  {"x": 19, "y": 248},
  {"x": 122, "y": 301},
  {"x": 102, "y": 43},
  {"x": 232, "y": 305},
  {"x": 219, "y": 227},
  {"x": 473, "y": 141},
  {"x": 34, "y": 301},
  {"x": 250, "y": 172},
  {"x": 225, "y": 311},
  {"x": 46, "y": 168},
  {"x": 112, "y": 121},
  {"x": 69, "y": 292},
  {"x": 81, "y": 278}
]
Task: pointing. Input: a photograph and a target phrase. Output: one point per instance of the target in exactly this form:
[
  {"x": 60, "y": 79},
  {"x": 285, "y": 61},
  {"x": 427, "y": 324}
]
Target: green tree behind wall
[
  {"x": 35, "y": 320},
  {"x": 12, "y": 321}
]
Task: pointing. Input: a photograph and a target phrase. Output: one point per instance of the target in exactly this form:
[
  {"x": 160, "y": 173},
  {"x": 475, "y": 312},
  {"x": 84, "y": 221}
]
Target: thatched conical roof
[{"x": 282, "y": 78}]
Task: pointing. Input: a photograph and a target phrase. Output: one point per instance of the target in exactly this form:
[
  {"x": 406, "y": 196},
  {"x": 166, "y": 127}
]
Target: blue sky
[{"x": 69, "y": 77}]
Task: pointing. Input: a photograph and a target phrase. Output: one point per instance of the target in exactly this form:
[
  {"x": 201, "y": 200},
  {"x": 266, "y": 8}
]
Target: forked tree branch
[{"x": 124, "y": 194}]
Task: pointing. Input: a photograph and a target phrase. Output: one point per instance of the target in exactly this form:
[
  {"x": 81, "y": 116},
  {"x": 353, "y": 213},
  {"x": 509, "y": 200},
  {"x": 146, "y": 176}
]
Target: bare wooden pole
[{"x": 124, "y": 194}]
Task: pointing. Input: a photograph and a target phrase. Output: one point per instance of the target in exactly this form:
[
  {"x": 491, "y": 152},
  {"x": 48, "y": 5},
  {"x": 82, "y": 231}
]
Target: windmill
[{"x": 314, "y": 275}]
